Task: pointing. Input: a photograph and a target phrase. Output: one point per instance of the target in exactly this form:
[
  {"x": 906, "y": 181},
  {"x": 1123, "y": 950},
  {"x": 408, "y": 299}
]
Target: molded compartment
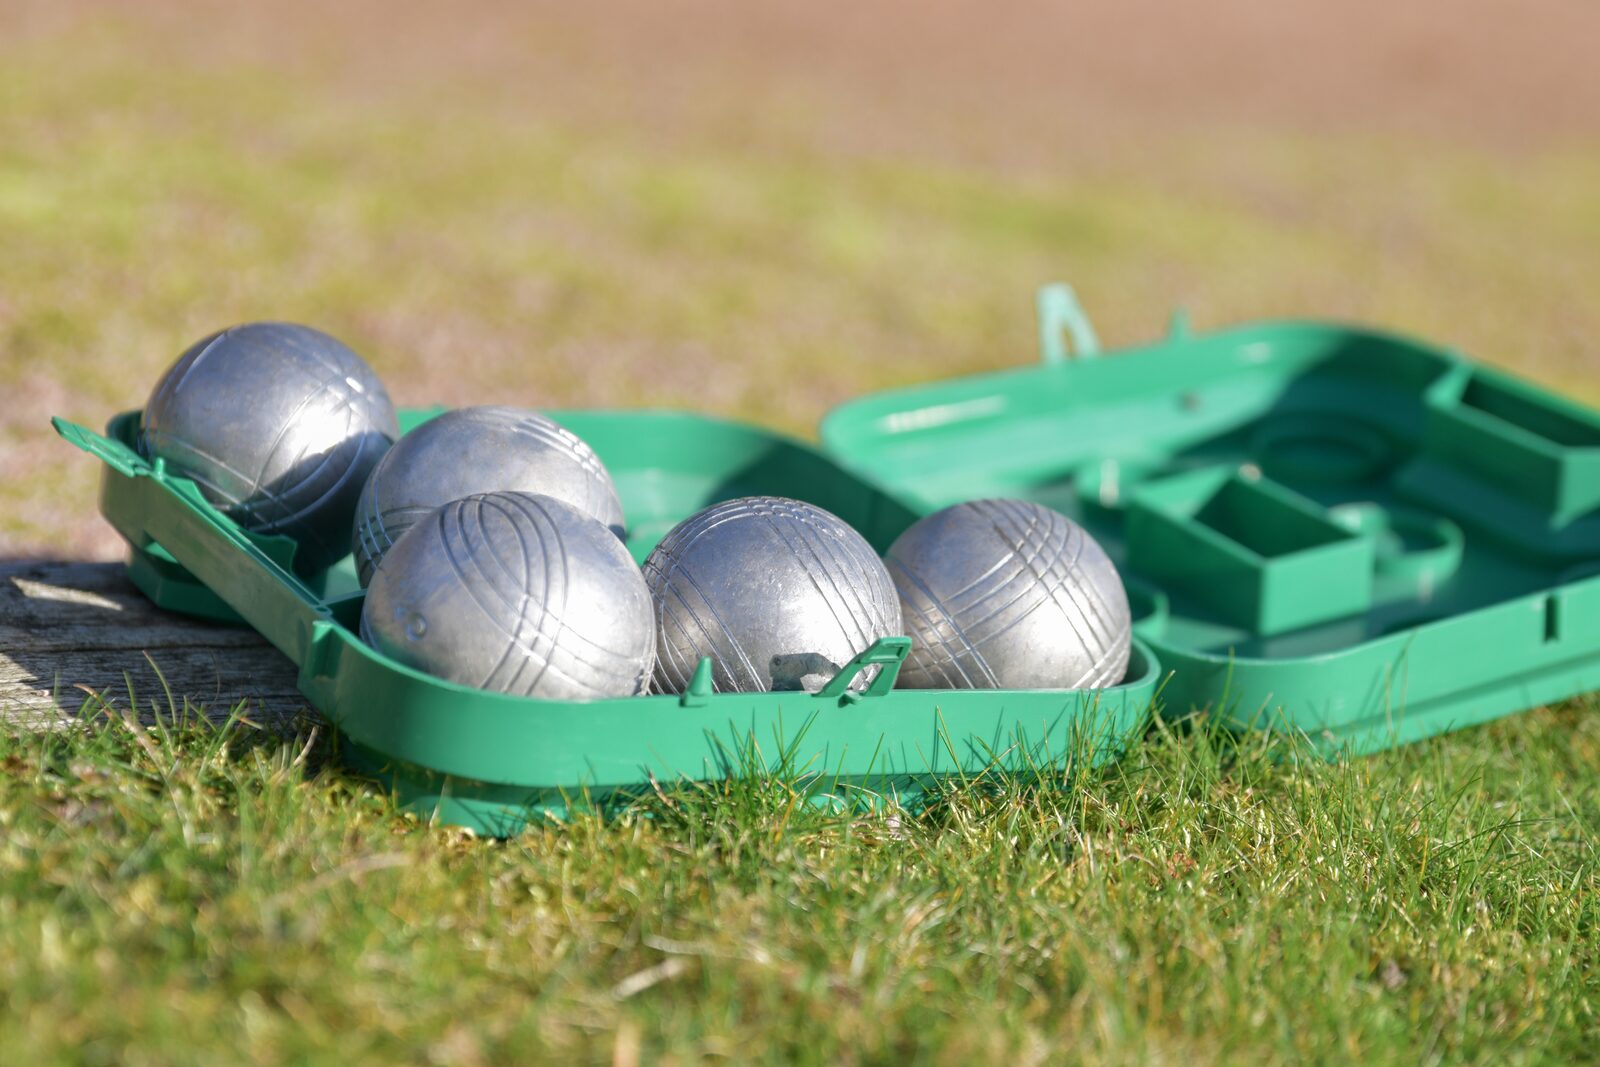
[
  {"x": 1413, "y": 549},
  {"x": 1533, "y": 446},
  {"x": 1256, "y": 554},
  {"x": 1320, "y": 449},
  {"x": 492, "y": 762}
]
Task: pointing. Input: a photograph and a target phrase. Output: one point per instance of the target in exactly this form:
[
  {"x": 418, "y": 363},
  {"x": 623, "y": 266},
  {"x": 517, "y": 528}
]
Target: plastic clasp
[
  {"x": 886, "y": 652},
  {"x": 1061, "y": 316}
]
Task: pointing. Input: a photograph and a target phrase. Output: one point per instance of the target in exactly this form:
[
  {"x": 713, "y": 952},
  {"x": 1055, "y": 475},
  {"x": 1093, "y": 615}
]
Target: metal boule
[
  {"x": 1008, "y": 594},
  {"x": 778, "y": 593},
  {"x": 478, "y": 450},
  {"x": 514, "y": 593},
  {"x": 279, "y": 425}
]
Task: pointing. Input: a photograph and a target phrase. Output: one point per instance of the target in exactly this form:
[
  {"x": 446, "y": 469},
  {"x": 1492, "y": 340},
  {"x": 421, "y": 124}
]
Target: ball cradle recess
[
  {"x": 279, "y": 425},
  {"x": 778, "y": 593},
  {"x": 478, "y": 450},
  {"x": 1007, "y": 594},
  {"x": 515, "y": 593}
]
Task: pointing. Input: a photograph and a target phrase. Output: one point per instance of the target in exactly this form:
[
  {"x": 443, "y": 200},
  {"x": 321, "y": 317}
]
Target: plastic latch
[
  {"x": 1061, "y": 316},
  {"x": 886, "y": 652},
  {"x": 697, "y": 694}
]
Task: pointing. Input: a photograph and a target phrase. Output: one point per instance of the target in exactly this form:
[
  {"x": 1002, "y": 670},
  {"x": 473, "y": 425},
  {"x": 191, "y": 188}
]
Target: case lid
[{"x": 1342, "y": 531}]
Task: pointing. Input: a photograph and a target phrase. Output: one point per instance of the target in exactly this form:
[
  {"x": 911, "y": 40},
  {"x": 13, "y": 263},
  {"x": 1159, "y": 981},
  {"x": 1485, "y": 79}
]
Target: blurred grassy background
[{"x": 763, "y": 213}]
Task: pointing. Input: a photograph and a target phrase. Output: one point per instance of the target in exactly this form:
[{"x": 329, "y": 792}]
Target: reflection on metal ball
[
  {"x": 514, "y": 593},
  {"x": 279, "y": 425},
  {"x": 478, "y": 450},
  {"x": 780, "y": 594},
  {"x": 1007, "y": 594}
]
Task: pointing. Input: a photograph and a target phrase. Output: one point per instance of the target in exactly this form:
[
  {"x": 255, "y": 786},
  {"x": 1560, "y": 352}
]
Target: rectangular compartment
[
  {"x": 1259, "y": 556},
  {"x": 1534, "y": 447}
]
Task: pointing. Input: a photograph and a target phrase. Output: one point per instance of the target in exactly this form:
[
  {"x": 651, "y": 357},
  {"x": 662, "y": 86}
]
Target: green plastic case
[
  {"x": 492, "y": 762},
  {"x": 1336, "y": 531}
]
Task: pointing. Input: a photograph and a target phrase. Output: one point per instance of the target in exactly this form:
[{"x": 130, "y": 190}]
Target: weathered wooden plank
[{"x": 65, "y": 624}]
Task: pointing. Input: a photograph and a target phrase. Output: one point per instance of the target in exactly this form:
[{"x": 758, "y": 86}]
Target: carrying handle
[
  {"x": 887, "y": 653},
  {"x": 271, "y": 553},
  {"x": 1061, "y": 316},
  {"x": 114, "y": 454},
  {"x": 273, "y": 550}
]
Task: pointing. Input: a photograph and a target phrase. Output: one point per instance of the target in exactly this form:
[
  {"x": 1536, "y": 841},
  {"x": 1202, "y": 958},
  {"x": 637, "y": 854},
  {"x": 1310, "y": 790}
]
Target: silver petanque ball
[
  {"x": 780, "y": 595},
  {"x": 514, "y": 593},
  {"x": 279, "y": 425},
  {"x": 478, "y": 450},
  {"x": 1007, "y": 594}
]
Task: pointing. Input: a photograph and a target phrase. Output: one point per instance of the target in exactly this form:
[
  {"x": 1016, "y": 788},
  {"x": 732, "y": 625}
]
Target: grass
[
  {"x": 196, "y": 893},
  {"x": 506, "y": 226}
]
